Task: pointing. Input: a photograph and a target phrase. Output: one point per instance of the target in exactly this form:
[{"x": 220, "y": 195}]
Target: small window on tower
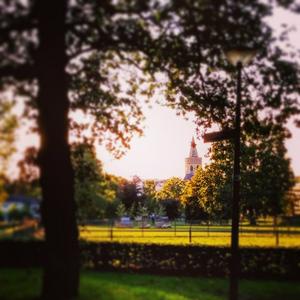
[{"x": 191, "y": 168}]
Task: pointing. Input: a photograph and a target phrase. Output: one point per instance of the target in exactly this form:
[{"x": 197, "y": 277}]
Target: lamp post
[{"x": 238, "y": 58}]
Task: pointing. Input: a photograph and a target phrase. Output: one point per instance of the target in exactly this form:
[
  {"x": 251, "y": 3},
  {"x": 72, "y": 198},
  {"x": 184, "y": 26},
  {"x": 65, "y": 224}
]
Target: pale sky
[{"x": 161, "y": 151}]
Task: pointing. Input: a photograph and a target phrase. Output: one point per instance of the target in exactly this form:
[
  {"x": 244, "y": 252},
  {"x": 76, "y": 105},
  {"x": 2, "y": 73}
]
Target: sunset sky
[{"x": 161, "y": 151}]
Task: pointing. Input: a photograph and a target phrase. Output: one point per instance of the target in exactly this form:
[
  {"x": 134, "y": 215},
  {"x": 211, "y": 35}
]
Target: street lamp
[{"x": 238, "y": 57}]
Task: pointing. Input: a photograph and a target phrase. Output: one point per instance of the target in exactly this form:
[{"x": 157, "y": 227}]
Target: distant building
[
  {"x": 159, "y": 183},
  {"x": 192, "y": 162},
  {"x": 20, "y": 203}
]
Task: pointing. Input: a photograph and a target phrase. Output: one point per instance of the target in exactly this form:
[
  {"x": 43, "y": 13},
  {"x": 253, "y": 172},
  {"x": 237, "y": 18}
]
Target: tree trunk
[{"x": 61, "y": 268}]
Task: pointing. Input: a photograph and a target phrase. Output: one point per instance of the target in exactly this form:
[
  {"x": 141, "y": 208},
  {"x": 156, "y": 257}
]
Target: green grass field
[
  {"x": 20, "y": 284},
  {"x": 249, "y": 236}
]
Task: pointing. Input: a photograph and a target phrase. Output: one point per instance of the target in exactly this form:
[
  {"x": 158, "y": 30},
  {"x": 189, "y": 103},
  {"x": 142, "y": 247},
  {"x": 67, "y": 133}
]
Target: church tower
[{"x": 192, "y": 162}]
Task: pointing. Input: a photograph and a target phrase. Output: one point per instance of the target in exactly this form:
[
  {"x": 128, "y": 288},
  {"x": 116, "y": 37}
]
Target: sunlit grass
[
  {"x": 181, "y": 236},
  {"x": 250, "y": 236}
]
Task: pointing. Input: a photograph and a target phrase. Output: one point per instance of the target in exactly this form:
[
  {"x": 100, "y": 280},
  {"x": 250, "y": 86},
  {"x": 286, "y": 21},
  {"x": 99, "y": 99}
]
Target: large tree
[
  {"x": 172, "y": 189},
  {"x": 93, "y": 190},
  {"x": 171, "y": 196},
  {"x": 130, "y": 194},
  {"x": 42, "y": 46},
  {"x": 201, "y": 195},
  {"x": 149, "y": 191},
  {"x": 266, "y": 177}
]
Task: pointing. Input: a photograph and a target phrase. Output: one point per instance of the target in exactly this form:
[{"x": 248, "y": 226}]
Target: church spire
[
  {"x": 193, "y": 144},
  {"x": 193, "y": 161},
  {"x": 193, "y": 149}
]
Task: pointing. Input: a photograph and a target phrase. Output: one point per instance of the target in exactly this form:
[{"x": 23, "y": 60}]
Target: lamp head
[{"x": 240, "y": 55}]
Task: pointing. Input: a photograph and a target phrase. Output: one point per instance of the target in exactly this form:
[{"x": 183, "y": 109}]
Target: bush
[
  {"x": 20, "y": 254},
  {"x": 267, "y": 263},
  {"x": 192, "y": 260}
]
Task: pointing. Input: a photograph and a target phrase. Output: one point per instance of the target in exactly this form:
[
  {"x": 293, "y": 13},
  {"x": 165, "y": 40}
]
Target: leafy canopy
[{"x": 122, "y": 52}]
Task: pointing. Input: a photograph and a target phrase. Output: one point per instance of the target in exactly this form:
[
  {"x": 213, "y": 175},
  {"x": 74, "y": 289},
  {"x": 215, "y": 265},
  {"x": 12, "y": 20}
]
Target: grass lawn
[
  {"x": 250, "y": 236},
  {"x": 20, "y": 284},
  {"x": 214, "y": 237}
]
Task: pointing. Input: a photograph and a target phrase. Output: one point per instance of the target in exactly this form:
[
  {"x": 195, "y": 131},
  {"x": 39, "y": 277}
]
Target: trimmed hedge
[
  {"x": 267, "y": 263},
  {"x": 271, "y": 263},
  {"x": 21, "y": 253}
]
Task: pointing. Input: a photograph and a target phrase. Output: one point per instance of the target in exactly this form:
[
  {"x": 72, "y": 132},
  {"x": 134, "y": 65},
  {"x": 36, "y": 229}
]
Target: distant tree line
[{"x": 266, "y": 180}]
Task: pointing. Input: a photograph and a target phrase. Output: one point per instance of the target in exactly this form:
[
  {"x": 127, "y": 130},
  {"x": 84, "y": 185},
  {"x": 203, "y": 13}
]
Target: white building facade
[{"x": 192, "y": 162}]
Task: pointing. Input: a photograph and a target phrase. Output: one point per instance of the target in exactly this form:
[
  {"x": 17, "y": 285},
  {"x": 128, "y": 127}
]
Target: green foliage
[
  {"x": 93, "y": 192},
  {"x": 173, "y": 188},
  {"x": 203, "y": 82},
  {"x": 197, "y": 260},
  {"x": 96, "y": 192},
  {"x": 172, "y": 208},
  {"x": 116, "y": 51},
  {"x": 200, "y": 195},
  {"x": 122, "y": 48},
  {"x": 3, "y": 191},
  {"x": 8, "y": 126},
  {"x": 100, "y": 90},
  {"x": 121, "y": 210},
  {"x": 266, "y": 178},
  {"x": 149, "y": 189},
  {"x": 150, "y": 199},
  {"x": 171, "y": 197},
  {"x": 130, "y": 194},
  {"x": 25, "y": 188},
  {"x": 196, "y": 64},
  {"x": 142, "y": 211},
  {"x": 160, "y": 210}
]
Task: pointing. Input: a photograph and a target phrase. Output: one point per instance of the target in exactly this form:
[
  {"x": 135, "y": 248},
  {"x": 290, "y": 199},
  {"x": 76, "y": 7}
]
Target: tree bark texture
[{"x": 61, "y": 268}]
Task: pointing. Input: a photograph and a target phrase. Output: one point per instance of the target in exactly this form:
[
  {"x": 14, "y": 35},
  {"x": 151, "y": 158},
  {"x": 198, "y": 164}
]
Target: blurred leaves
[{"x": 123, "y": 53}]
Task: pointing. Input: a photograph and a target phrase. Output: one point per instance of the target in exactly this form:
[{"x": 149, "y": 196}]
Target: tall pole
[{"x": 235, "y": 255}]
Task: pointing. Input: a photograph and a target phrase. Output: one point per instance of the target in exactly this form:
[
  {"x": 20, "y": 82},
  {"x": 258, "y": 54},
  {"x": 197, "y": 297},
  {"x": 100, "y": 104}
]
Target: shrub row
[
  {"x": 270, "y": 263},
  {"x": 192, "y": 260},
  {"x": 21, "y": 253}
]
